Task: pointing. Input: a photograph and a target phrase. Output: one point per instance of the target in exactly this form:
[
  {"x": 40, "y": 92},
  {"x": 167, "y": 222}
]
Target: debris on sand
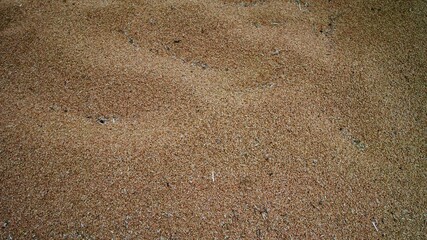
[{"x": 104, "y": 120}]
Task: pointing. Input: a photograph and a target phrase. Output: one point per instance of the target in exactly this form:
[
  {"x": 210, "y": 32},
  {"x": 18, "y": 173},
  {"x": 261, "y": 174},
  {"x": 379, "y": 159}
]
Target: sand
[{"x": 274, "y": 119}]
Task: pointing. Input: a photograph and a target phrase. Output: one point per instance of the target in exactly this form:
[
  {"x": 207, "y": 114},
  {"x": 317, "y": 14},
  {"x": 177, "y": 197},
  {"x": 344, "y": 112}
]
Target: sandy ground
[{"x": 222, "y": 119}]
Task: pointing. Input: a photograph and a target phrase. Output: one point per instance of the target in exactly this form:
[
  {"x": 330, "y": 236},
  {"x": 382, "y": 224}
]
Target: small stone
[
  {"x": 276, "y": 52},
  {"x": 102, "y": 120},
  {"x": 359, "y": 144},
  {"x": 5, "y": 224}
]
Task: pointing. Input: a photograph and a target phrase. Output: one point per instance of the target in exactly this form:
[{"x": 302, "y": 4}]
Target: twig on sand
[
  {"x": 213, "y": 176},
  {"x": 375, "y": 225},
  {"x": 299, "y": 4}
]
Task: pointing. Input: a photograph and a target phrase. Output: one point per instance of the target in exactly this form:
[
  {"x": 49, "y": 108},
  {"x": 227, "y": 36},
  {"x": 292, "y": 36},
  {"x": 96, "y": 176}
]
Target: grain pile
[{"x": 224, "y": 119}]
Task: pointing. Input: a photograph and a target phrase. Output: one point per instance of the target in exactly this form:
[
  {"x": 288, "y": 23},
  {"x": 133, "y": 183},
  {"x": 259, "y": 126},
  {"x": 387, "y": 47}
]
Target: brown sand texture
[{"x": 219, "y": 119}]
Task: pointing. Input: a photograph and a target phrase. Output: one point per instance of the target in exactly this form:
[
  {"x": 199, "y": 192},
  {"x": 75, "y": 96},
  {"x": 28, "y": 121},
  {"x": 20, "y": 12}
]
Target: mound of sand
[{"x": 225, "y": 119}]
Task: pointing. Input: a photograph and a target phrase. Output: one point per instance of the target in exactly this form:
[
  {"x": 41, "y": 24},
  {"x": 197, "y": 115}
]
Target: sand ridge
[{"x": 213, "y": 119}]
